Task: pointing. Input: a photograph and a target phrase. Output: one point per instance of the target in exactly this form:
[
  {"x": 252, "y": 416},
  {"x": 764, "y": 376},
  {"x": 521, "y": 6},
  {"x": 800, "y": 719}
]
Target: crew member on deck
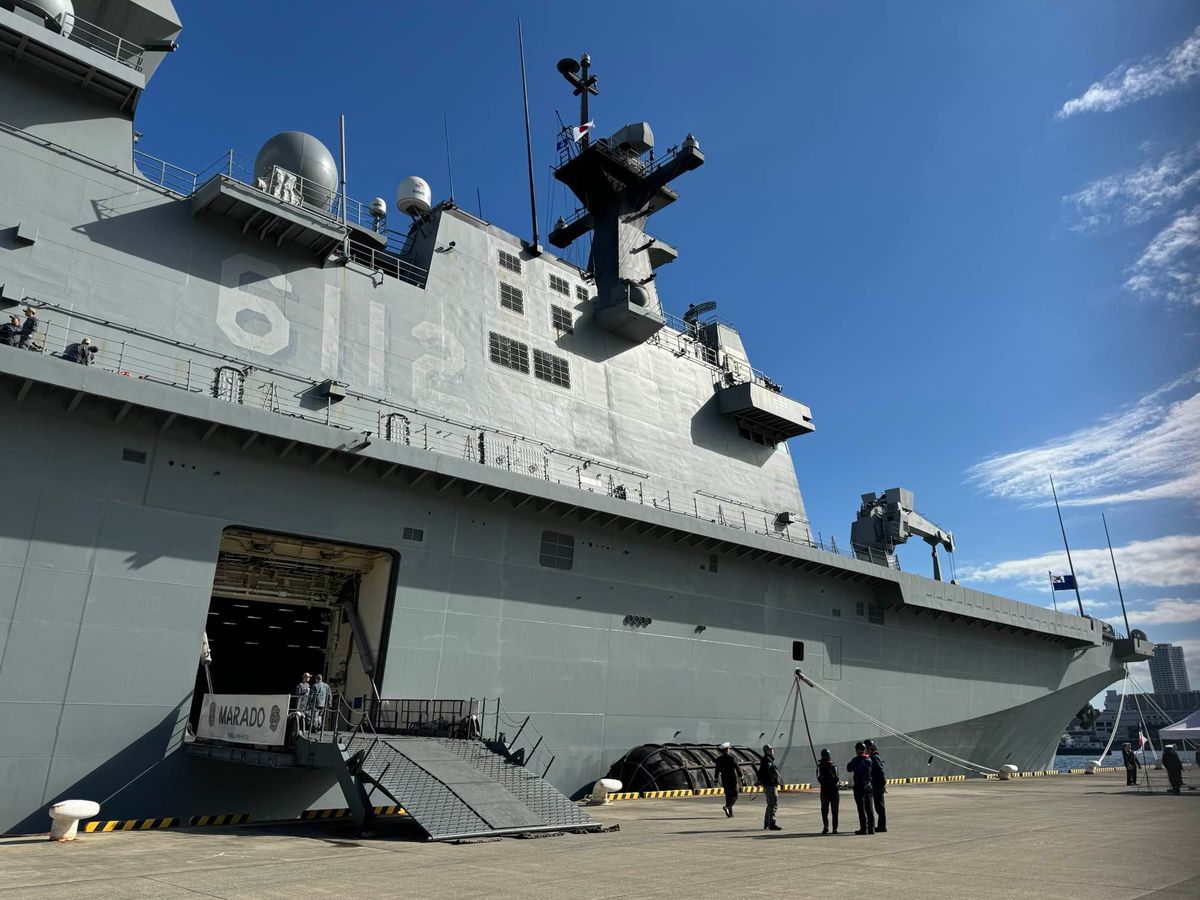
[
  {"x": 1131, "y": 764},
  {"x": 80, "y": 353},
  {"x": 878, "y": 786},
  {"x": 827, "y": 778},
  {"x": 319, "y": 700},
  {"x": 10, "y": 331},
  {"x": 860, "y": 769},
  {"x": 28, "y": 328},
  {"x": 727, "y": 774},
  {"x": 768, "y": 777}
]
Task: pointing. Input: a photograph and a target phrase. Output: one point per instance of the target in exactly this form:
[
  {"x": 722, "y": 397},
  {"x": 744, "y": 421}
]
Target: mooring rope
[{"x": 897, "y": 733}]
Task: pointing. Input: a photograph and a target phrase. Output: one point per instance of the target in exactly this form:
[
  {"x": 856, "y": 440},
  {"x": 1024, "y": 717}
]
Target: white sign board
[{"x": 244, "y": 718}]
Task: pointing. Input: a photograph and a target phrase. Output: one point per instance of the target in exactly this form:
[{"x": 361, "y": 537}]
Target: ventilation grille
[{"x": 504, "y": 351}]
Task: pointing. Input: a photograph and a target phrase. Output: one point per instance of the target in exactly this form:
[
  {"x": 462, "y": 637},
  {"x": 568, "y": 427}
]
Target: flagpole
[
  {"x": 1053, "y": 599},
  {"x": 1115, "y": 575},
  {"x": 1063, "y": 528}
]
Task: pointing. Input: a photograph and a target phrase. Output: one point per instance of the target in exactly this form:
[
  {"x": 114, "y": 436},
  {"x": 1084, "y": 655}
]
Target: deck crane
[{"x": 887, "y": 520}]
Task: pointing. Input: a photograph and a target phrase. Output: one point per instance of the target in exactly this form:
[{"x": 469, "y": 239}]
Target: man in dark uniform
[
  {"x": 768, "y": 777},
  {"x": 1174, "y": 766},
  {"x": 80, "y": 353},
  {"x": 860, "y": 769},
  {"x": 827, "y": 778},
  {"x": 727, "y": 774},
  {"x": 10, "y": 331},
  {"x": 878, "y": 786},
  {"x": 28, "y": 328},
  {"x": 1131, "y": 764}
]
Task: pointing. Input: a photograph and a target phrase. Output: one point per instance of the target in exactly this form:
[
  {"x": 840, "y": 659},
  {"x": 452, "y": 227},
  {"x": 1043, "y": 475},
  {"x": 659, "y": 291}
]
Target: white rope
[
  {"x": 1117, "y": 721},
  {"x": 894, "y": 732}
]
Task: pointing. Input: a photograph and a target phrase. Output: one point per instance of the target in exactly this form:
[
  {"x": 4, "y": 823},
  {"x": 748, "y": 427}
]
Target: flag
[
  {"x": 1141, "y": 740},
  {"x": 1063, "y": 582},
  {"x": 578, "y": 131}
]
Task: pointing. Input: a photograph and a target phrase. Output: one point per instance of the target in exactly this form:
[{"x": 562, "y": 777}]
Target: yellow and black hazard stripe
[
  {"x": 224, "y": 819},
  {"x": 625, "y": 795},
  {"x": 102, "y": 825},
  {"x": 795, "y": 787},
  {"x": 709, "y": 792},
  {"x": 390, "y": 811},
  {"x": 325, "y": 814}
]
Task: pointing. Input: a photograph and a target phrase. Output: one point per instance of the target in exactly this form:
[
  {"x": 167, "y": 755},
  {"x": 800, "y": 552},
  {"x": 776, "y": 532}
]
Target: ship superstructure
[{"x": 411, "y": 450}]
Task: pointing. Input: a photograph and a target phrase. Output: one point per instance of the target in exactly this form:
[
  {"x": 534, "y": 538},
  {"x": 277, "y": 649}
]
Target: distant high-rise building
[{"x": 1167, "y": 670}]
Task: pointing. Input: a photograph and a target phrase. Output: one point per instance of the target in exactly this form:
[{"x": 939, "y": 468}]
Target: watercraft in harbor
[{"x": 429, "y": 458}]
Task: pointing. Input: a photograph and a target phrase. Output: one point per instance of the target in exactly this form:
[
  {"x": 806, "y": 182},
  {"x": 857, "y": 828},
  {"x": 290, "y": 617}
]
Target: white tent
[{"x": 1187, "y": 729}]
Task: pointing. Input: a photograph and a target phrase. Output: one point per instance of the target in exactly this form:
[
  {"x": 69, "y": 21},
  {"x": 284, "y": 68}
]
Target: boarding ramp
[{"x": 453, "y": 787}]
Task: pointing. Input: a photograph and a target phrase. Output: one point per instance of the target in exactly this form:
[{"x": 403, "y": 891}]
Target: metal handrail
[
  {"x": 285, "y": 186},
  {"x": 133, "y": 353},
  {"x": 103, "y": 41}
]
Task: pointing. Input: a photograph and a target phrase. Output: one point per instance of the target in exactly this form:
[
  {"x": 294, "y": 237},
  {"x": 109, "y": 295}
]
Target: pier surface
[{"x": 1067, "y": 836}]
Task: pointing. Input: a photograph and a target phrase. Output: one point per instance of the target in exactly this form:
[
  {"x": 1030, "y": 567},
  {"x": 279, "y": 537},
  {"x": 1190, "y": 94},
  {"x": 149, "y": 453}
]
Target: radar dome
[
  {"x": 303, "y": 155},
  {"x": 55, "y": 12},
  {"x": 413, "y": 196},
  {"x": 378, "y": 207}
]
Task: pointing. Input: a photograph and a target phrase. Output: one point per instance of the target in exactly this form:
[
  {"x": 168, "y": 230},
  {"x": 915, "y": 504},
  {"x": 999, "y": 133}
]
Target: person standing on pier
[
  {"x": 860, "y": 769},
  {"x": 768, "y": 777},
  {"x": 727, "y": 774},
  {"x": 1174, "y": 767},
  {"x": 827, "y": 778},
  {"x": 1131, "y": 764},
  {"x": 878, "y": 786}
]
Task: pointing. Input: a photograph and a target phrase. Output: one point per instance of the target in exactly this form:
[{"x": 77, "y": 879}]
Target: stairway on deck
[{"x": 456, "y": 788}]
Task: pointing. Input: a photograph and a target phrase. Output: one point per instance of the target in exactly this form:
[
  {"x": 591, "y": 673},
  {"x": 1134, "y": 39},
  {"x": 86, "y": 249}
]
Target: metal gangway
[{"x": 431, "y": 758}]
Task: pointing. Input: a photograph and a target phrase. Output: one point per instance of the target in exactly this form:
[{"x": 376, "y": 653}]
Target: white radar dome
[
  {"x": 378, "y": 207},
  {"x": 58, "y": 12},
  {"x": 300, "y": 154},
  {"x": 413, "y": 196}
]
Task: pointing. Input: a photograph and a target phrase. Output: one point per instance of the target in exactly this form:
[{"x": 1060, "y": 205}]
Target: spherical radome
[
  {"x": 414, "y": 196},
  {"x": 303, "y": 155},
  {"x": 54, "y": 9}
]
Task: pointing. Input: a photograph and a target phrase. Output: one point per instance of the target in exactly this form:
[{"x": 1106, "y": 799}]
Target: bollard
[
  {"x": 601, "y": 790},
  {"x": 1007, "y": 771},
  {"x": 65, "y": 816},
  {"x": 1091, "y": 766}
]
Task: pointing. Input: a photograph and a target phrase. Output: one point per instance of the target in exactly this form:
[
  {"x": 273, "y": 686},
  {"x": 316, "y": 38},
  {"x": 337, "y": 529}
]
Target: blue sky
[{"x": 967, "y": 235}]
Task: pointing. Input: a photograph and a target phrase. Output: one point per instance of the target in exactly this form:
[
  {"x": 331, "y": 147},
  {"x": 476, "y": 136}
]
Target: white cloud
[
  {"x": 1169, "y": 267},
  {"x": 1165, "y": 612},
  {"x": 1135, "y": 196},
  {"x": 1171, "y": 561},
  {"x": 1129, "y": 83},
  {"x": 1148, "y": 451}
]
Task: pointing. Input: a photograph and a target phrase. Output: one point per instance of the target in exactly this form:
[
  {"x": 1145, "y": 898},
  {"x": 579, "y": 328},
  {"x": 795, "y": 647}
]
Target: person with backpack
[{"x": 827, "y": 778}]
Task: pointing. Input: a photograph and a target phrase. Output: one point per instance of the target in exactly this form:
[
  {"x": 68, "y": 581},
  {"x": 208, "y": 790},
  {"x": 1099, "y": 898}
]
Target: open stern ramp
[{"x": 457, "y": 788}]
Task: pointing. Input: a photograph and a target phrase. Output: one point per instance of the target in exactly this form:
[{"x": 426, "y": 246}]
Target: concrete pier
[{"x": 1066, "y": 836}]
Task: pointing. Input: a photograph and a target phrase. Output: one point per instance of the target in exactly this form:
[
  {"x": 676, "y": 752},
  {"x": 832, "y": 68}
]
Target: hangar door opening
[{"x": 284, "y": 605}]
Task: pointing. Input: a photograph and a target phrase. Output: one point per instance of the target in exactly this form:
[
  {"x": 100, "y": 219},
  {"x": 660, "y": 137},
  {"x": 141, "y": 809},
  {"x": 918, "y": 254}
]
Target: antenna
[
  {"x": 1115, "y": 575},
  {"x": 576, "y": 73},
  {"x": 479, "y": 201},
  {"x": 449, "y": 168},
  {"x": 342, "y": 160},
  {"x": 696, "y": 310},
  {"x": 537, "y": 246},
  {"x": 1078, "y": 599}
]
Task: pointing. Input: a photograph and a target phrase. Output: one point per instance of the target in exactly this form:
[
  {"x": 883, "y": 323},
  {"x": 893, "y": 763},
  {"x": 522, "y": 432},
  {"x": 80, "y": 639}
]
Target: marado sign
[{"x": 244, "y": 718}]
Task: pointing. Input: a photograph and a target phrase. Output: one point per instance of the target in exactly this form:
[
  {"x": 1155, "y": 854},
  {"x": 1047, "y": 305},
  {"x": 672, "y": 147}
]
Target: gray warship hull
[{"x": 273, "y": 427}]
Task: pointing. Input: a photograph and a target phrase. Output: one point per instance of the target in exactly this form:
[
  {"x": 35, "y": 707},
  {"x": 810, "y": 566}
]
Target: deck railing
[
  {"x": 103, "y": 41},
  {"x": 133, "y": 353},
  {"x": 279, "y": 183}
]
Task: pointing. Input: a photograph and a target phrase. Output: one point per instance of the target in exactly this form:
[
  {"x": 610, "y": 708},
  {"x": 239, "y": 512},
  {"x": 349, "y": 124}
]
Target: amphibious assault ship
[{"x": 431, "y": 459}]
